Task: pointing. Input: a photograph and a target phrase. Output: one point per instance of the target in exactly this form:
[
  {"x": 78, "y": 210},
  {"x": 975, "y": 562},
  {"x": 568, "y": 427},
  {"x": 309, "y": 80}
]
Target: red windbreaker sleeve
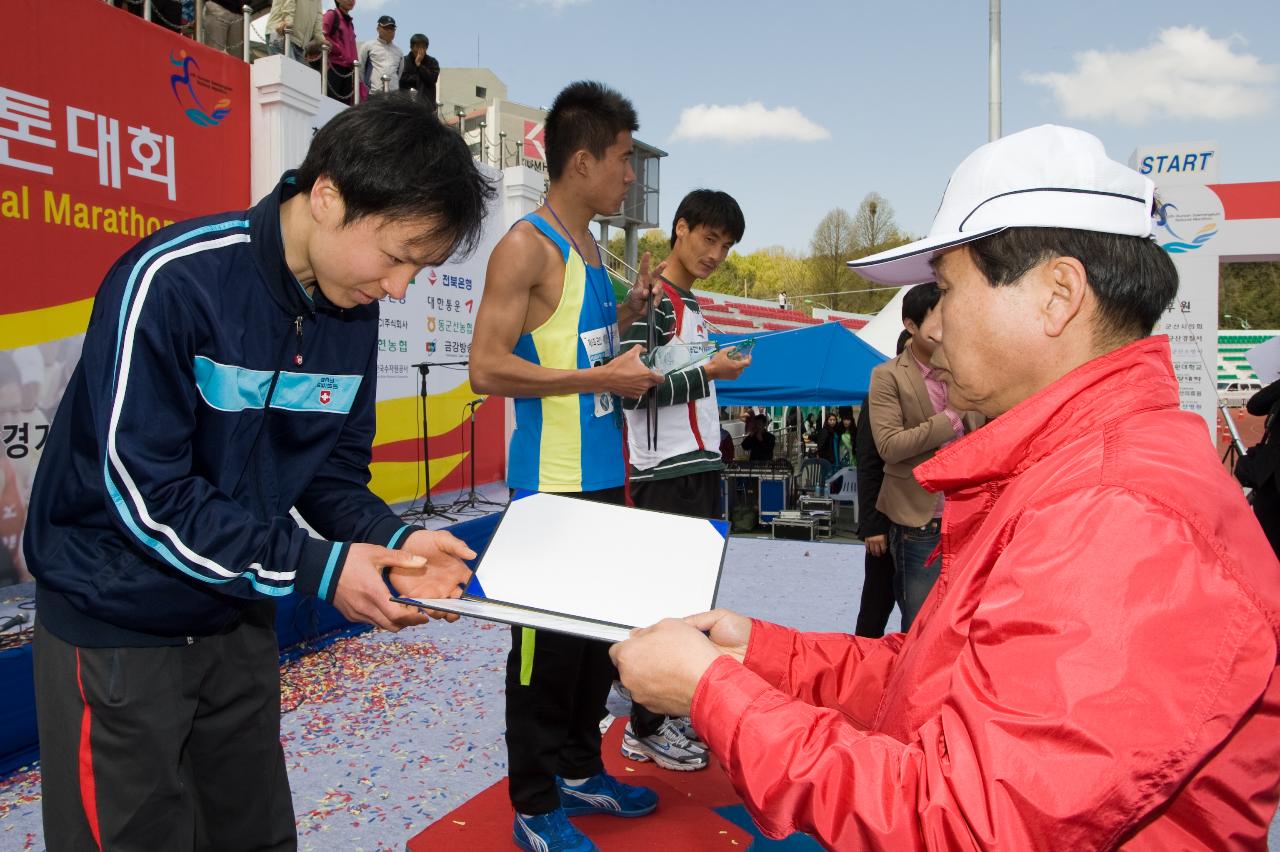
[
  {"x": 1094, "y": 681},
  {"x": 836, "y": 670}
]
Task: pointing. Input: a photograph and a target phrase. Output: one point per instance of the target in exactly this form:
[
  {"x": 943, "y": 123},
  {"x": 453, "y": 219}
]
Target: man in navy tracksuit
[{"x": 228, "y": 374}]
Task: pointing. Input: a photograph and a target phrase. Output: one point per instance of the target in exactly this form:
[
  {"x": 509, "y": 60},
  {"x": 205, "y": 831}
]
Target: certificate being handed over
[{"x": 591, "y": 569}]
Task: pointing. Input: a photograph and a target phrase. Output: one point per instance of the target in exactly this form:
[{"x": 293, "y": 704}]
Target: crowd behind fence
[{"x": 215, "y": 24}]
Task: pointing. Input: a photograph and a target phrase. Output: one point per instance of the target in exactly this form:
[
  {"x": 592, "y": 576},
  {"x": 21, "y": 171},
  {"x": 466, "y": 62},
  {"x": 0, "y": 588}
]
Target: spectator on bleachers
[
  {"x": 782, "y": 300},
  {"x": 340, "y": 31},
  {"x": 759, "y": 441},
  {"x": 421, "y": 71},
  {"x": 224, "y": 26},
  {"x": 300, "y": 21},
  {"x": 381, "y": 57}
]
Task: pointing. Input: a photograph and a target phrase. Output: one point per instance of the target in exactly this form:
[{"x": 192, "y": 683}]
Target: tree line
[
  {"x": 1249, "y": 296},
  {"x": 816, "y": 279}
]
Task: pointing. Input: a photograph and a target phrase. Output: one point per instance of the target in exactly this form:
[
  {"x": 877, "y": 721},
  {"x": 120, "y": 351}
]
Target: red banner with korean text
[{"x": 132, "y": 127}]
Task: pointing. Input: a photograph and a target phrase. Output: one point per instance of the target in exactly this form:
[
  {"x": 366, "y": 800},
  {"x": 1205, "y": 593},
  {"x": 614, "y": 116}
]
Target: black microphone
[
  {"x": 13, "y": 621},
  {"x": 476, "y": 401}
]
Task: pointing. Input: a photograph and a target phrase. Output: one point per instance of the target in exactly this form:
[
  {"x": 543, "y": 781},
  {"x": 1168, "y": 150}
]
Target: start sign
[{"x": 1178, "y": 164}]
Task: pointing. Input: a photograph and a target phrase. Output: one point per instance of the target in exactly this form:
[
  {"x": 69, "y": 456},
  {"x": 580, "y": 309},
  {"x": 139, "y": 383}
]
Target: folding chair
[
  {"x": 842, "y": 487},
  {"x": 810, "y": 479}
]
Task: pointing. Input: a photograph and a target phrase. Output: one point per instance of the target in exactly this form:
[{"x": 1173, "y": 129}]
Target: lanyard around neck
[
  {"x": 602, "y": 299},
  {"x": 569, "y": 234}
]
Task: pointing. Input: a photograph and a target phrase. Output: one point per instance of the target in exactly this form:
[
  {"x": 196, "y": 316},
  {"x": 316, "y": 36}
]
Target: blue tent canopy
[{"x": 816, "y": 365}]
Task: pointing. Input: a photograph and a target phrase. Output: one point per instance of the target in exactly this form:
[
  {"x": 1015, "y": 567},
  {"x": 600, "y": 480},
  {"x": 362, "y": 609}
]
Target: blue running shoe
[
  {"x": 604, "y": 794},
  {"x": 550, "y": 833}
]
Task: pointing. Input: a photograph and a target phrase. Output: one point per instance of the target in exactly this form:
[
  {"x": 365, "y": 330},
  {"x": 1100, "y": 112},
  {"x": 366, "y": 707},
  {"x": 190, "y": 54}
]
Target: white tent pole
[{"x": 799, "y": 440}]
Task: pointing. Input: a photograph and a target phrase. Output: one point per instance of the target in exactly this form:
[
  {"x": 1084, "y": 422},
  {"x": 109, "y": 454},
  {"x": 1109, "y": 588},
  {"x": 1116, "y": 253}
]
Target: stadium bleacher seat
[
  {"x": 730, "y": 321},
  {"x": 1233, "y": 347}
]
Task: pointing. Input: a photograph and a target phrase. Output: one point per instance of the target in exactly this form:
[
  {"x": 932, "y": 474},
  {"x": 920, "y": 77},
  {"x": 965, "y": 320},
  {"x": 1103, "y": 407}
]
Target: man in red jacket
[{"x": 1096, "y": 665}]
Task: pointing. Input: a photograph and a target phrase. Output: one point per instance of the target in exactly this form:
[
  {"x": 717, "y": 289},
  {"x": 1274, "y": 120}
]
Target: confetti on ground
[{"x": 385, "y": 733}]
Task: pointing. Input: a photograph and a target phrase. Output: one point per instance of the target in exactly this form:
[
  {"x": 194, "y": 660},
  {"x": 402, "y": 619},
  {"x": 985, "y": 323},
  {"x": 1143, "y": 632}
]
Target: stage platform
[{"x": 685, "y": 821}]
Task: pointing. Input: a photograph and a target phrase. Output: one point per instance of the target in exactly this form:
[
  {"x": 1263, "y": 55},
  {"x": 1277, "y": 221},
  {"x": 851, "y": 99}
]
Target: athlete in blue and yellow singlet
[{"x": 571, "y": 442}]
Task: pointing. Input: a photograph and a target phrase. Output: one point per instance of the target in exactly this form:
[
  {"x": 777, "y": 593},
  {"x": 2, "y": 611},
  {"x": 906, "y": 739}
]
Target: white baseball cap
[{"x": 1045, "y": 177}]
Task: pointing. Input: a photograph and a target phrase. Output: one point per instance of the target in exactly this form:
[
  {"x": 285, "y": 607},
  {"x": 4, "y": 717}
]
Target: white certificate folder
[{"x": 591, "y": 569}]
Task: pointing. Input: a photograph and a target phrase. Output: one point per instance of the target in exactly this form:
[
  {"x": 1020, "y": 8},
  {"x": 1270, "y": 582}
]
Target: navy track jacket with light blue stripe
[{"x": 212, "y": 395}]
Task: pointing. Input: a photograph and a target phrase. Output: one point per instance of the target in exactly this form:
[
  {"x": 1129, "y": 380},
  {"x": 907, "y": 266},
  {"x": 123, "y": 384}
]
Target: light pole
[{"x": 993, "y": 73}]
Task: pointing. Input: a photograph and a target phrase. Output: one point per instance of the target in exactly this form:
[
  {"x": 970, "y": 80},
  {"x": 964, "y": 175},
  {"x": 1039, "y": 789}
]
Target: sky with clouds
[{"x": 796, "y": 108}]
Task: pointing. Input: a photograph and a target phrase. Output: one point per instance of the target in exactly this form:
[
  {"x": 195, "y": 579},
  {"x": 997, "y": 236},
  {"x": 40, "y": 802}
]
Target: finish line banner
[{"x": 94, "y": 155}]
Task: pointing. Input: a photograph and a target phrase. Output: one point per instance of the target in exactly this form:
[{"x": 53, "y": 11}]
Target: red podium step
[{"x": 683, "y": 822}]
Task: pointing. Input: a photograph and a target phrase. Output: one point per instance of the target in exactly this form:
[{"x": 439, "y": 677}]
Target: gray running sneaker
[
  {"x": 684, "y": 725},
  {"x": 668, "y": 748}
]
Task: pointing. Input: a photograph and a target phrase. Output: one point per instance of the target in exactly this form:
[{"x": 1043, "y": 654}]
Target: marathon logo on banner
[{"x": 91, "y": 163}]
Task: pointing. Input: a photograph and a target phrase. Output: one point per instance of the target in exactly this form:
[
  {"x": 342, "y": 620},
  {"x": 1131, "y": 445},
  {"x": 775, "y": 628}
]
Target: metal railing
[
  {"x": 198, "y": 28},
  {"x": 247, "y": 11}
]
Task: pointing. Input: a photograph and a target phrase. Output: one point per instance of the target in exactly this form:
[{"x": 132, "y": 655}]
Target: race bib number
[{"x": 599, "y": 345}]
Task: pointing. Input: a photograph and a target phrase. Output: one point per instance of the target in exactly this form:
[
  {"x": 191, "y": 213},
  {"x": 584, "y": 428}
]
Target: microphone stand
[
  {"x": 473, "y": 499},
  {"x": 429, "y": 508},
  {"x": 1235, "y": 448}
]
